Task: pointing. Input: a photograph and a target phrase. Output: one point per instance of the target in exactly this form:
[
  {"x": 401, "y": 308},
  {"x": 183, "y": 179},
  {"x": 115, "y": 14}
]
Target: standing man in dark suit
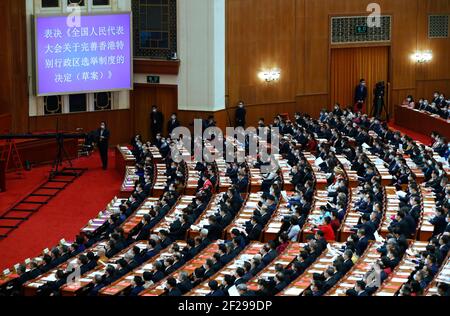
[
  {"x": 103, "y": 135},
  {"x": 172, "y": 124},
  {"x": 240, "y": 115},
  {"x": 360, "y": 96},
  {"x": 156, "y": 122}
]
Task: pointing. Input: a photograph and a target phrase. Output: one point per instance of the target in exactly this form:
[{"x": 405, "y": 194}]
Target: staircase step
[
  {"x": 37, "y": 199},
  {"x": 9, "y": 223},
  {"x": 54, "y": 185},
  {"x": 50, "y": 192},
  {"x": 23, "y": 210},
  {"x": 4, "y": 232},
  {"x": 60, "y": 181},
  {"x": 17, "y": 215}
]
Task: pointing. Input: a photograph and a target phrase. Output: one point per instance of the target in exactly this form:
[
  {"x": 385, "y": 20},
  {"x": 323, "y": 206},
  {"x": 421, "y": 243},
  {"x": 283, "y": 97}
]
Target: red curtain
[{"x": 349, "y": 65}]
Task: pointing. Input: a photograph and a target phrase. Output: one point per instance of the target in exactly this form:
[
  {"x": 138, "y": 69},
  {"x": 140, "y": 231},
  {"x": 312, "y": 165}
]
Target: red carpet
[
  {"x": 64, "y": 216},
  {"x": 424, "y": 139}
]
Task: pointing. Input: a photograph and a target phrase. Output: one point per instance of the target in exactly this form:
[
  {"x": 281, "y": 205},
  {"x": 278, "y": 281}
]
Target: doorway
[{"x": 349, "y": 65}]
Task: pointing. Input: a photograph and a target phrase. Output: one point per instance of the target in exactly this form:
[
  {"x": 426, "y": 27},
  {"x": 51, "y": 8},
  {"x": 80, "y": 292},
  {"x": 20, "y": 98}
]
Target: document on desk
[
  {"x": 233, "y": 291},
  {"x": 318, "y": 161},
  {"x": 293, "y": 291},
  {"x": 401, "y": 194}
]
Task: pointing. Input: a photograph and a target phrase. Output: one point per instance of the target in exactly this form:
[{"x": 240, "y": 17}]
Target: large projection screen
[{"x": 93, "y": 55}]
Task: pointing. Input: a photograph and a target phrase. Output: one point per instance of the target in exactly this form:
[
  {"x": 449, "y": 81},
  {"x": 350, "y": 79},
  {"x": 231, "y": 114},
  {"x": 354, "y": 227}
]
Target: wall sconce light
[
  {"x": 270, "y": 75},
  {"x": 422, "y": 57}
]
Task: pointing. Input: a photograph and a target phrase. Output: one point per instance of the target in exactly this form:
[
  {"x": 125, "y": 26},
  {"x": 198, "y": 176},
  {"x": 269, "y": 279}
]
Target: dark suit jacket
[
  {"x": 254, "y": 232},
  {"x": 102, "y": 144},
  {"x": 218, "y": 292},
  {"x": 360, "y": 93},
  {"x": 174, "y": 292},
  {"x": 361, "y": 246},
  {"x": 156, "y": 121},
  {"x": 272, "y": 254},
  {"x": 214, "y": 232}
]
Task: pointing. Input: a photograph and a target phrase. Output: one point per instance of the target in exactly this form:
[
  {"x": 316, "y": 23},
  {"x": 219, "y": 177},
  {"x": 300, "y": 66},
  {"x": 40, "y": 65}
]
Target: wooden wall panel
[
  {"x": 439, "y": 67},
  {"x": 119, "y": 122},
  {"x": 13, "y": 63},
  {"x": 261, "y": 36},
  {"x": 5, "y": 122},
  {"x": 144, "y": 97},
  {"x": 310, "y": 39},
  {"x": 426, "y": 88}
]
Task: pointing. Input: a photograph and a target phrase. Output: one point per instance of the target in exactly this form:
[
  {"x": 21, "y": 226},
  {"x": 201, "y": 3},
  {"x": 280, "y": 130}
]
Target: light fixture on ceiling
[
  {"x": 422, "y": 57},
  {"x": 270, "y": 75}
]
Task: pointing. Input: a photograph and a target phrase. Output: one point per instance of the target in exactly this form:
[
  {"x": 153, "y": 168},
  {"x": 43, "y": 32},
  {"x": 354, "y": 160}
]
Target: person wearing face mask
[
  {"x": 172, "y": 124},
  {"x": 240, "y": 115},
  {"x": 440, "y": 101},
  {"x": 156, "y": 122},
  {"x": 421, "y": 105},
  {"x": 360, "y": 96},
  {"x": 409, "y": 102},
  {"x": 436, "y": 97},
  {"x": 103, "y": 135}
]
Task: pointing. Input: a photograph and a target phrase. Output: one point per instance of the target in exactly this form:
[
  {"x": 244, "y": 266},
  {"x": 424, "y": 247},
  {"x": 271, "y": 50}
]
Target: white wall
[{"x": 201, "y": 49}]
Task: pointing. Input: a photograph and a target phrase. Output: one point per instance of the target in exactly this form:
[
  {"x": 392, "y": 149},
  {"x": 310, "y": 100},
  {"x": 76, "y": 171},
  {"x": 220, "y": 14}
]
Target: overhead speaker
[
  {"x": 52, "y": 104},
  {"x": 102, "y": 101},
  {"x": 77, "y": 2}
]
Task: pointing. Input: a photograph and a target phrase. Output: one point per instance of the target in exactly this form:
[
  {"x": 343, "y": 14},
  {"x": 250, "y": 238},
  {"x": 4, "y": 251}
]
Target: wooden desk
[
  {"x": 320, "y": 199},
  {"x": 171, "y": 216},
  {"x": 425, "y": 228},
  {"x": 136, "y": 218},
  {"x": 30, "y": 288},
  {"x": 89, "y": 277},
  {"x": 359, "y": 270},
  {"x": 247, "y": 254},
  {"x": 442, "y": 276},
  {"x": 224, "y": 181},
  {"x": 392, "y": 207},
  {"x": 272, "y": 228},
  {"x": 103, "y": 216},
  {"x": 352, "y": 217},
  {"x": 285, "y": 171},
  {"x": 124, "y": 283},
  {"x": 202, "y": 221},
  {"x": 320, "y": 177},
  {"x": 285, "y": 259},
  {"x": 196, "y": 262},
  {"x": 421, "y": 122},
  {"x": 193, "y": 177},
  {"x": 400, "y": 275},
  {"x": 159, "y": 180},
  {"x": 245, "y": 214},
  {"x": 386, "y": 177},
  {"x": 303, "y": 282},
  {"x": 255, "y": 176},
  {"x": 128, "y": 182},
  {"x": 124, "y": 157},
  {"x": 352, "y": 175}
]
